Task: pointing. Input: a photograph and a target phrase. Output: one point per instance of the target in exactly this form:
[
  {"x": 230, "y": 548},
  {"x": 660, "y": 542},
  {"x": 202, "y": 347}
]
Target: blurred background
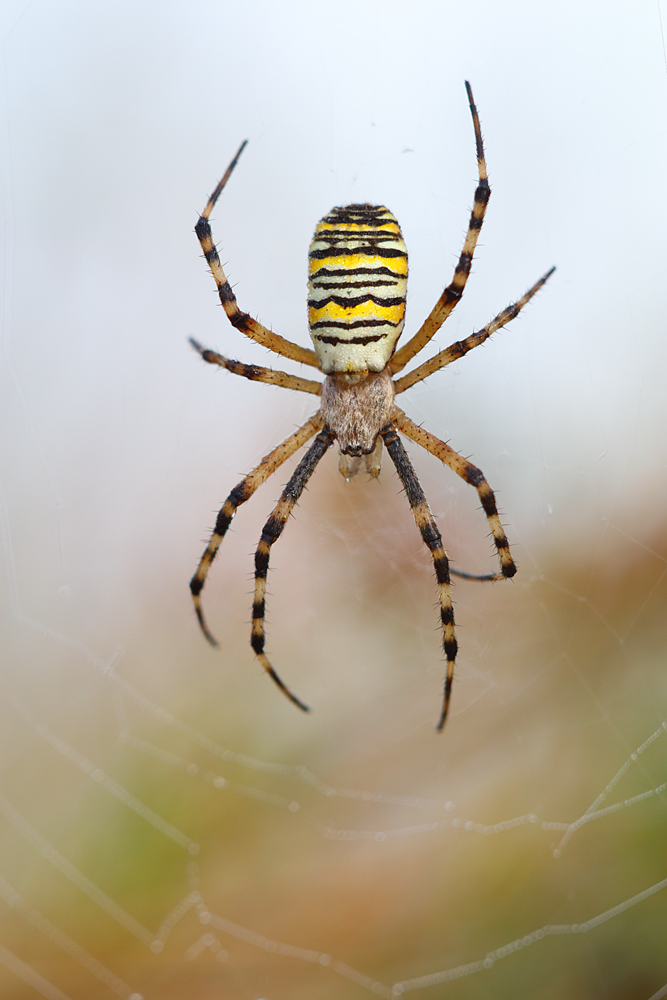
[{"x": 170, "y": 825}]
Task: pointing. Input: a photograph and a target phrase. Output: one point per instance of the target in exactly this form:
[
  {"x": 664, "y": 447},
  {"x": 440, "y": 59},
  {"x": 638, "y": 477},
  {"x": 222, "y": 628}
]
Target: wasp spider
[{"x": 358, "y": 271}]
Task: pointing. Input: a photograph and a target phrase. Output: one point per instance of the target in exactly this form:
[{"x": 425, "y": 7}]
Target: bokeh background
[{"x": 169, "y": 825}]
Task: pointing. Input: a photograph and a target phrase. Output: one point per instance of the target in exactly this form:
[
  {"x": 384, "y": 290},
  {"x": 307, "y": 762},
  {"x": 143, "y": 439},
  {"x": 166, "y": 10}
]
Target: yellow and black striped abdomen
[{"x": 358, "y": 270}]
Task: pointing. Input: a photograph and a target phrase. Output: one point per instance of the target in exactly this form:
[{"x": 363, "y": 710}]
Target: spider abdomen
[{"x": 358, "y": 270}]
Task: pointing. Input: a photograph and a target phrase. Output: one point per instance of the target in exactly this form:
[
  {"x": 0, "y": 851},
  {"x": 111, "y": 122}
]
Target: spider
[{"x": 356, "y": 310}]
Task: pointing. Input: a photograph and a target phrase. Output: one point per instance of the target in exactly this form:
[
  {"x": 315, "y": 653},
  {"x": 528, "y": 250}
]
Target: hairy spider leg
[
  {"x": 271, "y": 533},
  {"x": 461, "y": 347},
  {"x": 453, "y": 292},
  {"x": 240, "y": 320},
  {"x": 433, "y": 541},
  {"x": 256, "y": 373},
  {"x": 471, "y": 475},
  {"x": 239, "y": 495}
]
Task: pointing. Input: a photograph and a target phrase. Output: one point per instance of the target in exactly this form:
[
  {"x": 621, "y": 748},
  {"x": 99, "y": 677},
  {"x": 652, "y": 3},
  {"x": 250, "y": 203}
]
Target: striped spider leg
[
  {"x": 240, "y": 320},
  {"x": 454, "y": 291},
  {"x": 271, "y": 533},
  {"x": 356, "y": 311},
  {"x": 242, "y": 492},
  {"x": 433, "y": 540},
  {"x": 463, "y": 468},
  {"x": 460, "y": 465},
  {"x": 461, "y": 347}
]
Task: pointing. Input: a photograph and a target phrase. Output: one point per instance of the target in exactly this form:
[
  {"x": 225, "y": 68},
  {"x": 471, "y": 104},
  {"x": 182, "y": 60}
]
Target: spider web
[{"x": 169, "y": 824}]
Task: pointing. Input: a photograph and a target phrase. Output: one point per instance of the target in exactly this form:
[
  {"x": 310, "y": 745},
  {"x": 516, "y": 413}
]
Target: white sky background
[{"x": 118, "y": 119}]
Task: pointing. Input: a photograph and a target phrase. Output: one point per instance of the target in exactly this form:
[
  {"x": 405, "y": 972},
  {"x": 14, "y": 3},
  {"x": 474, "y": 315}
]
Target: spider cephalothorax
[{"x": 358, "y": 271}]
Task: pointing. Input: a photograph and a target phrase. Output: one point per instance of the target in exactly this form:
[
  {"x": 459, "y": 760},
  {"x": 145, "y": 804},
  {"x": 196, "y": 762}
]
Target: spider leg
[
  {"x": 474, "y": 477},
  {"x": 461, "y": 347},
  {"x": 483, "y": 577},
  {"x": 242, "y": 321},
  {"x": 258, "y": 374},
  {"x": 429, "y": 532},
  {"x": 271, "y": 533},
  {"x": 239, "y": 495},
  {"x": 453, "y": 291}
]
